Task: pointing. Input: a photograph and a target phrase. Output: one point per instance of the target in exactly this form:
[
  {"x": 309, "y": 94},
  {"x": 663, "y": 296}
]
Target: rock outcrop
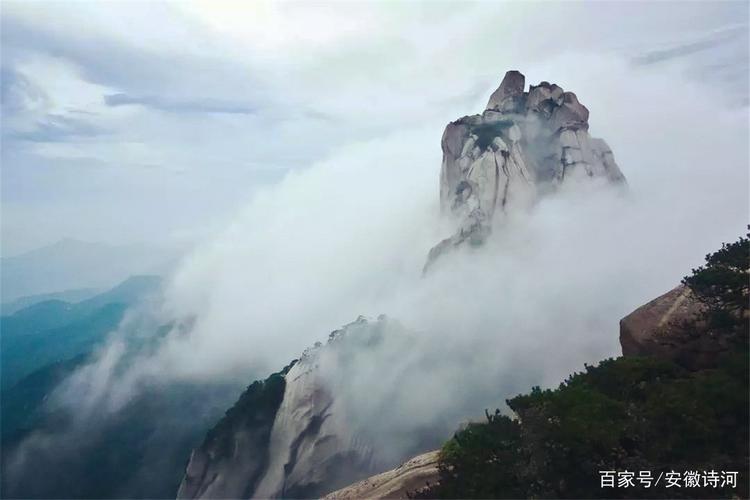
[
  {"x": 672, "y": 326},
  {"x": 234, "y": 456},
  {"x": 410, "y": 477},
  {"x": 312, "y": 448},
  {"x": 294, "y": 435},
  {"x": 523, "y": 145}
]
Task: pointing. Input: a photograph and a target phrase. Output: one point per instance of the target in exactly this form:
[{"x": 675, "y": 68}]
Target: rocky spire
[
  {"x": 523, "y": 144},
  {"x": 511, "y": 87}
]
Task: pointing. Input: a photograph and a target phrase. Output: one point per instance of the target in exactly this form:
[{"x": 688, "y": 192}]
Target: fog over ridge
[{"x": 349, "y": 235}]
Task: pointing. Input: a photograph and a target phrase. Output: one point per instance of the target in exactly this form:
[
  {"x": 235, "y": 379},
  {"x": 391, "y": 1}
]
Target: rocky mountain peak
[
  {"x": 523, "y": 145},
  {"x": 511, "y": 87}
]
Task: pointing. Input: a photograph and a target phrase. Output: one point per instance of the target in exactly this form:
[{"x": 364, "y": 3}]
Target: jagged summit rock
[
  {"x": 523, "y": 145},
  {"x": 510, "y": 88}
]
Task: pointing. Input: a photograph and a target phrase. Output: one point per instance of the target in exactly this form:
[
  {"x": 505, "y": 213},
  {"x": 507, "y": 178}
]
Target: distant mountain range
[
  {"x": 136, "y": 452},
  {"x": 54, "y": 331},
  {"x": 75, "y": 295},
  {"x": 74, "y": 266}
]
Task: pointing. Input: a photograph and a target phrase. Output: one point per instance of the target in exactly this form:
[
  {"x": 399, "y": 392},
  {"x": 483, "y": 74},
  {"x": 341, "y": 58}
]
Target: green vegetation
[
  {"x": 626, "y": 414},
  {"x": 723, "y": 285},
  {"x": 251, "y": 417},
  {"x": 256, "y": 407}
]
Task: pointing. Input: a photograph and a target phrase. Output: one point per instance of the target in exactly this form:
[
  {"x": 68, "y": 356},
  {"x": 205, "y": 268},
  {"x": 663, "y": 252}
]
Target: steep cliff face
[
  {"x": 525, "y": 144},
  {"x": 290, "y": 436},
  {"x": 312, "y": 447},
  {"x": 235, "y": 454}
]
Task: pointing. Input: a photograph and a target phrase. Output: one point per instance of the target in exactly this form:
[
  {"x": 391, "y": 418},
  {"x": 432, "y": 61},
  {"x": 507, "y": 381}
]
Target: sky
[{"x": 155, "y": 122}]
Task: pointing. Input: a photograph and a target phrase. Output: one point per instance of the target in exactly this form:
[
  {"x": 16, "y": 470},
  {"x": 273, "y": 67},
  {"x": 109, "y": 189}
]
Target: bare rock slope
[
  {"x": 406, "y": 479},
  {"x": 289, "y": 436}
]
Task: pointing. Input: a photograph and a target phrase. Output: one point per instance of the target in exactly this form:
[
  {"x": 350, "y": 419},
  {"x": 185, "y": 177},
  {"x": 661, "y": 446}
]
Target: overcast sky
[{"x": 145, "y": 121}]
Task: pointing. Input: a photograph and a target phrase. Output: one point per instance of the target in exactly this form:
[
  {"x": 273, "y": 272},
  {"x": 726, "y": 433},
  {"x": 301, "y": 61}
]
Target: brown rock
[{"x": 671, "y": 327}]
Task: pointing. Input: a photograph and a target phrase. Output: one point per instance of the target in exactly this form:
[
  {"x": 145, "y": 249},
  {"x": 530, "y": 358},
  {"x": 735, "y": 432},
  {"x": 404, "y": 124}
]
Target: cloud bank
[
  {"x": 315, "y": 76},
  {"x": 349, "y": 235}
]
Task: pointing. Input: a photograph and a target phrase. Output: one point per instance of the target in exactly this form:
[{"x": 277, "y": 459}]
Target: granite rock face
[
  {"x": 524, "y": 145},
  {"x": 312, "y": 449},
  {"x": 293, "y": 435},
  {"x": 511, "y": 88},
  {"x": 408, "y": 478},
  {"x": 234, "y": 456}
]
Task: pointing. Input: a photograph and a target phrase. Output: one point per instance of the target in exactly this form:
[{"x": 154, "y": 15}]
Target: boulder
[{"x": 671, "y": 327}]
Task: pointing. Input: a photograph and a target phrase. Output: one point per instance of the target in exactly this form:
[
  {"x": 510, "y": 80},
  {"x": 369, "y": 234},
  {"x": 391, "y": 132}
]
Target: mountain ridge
[{"x": 74, "y": 264}]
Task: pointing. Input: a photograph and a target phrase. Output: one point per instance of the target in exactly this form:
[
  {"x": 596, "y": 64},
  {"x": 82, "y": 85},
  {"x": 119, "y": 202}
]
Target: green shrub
[{"x": 634, "y": 414}]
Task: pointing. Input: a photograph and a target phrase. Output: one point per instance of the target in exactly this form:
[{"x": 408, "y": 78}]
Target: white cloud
[
  {"x": 349, "y": 236},
  {"x": 319, "y": 75}
]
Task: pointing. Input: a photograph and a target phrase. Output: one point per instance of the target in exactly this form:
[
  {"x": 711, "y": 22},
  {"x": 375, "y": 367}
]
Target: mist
[{"x": 349, "y": 235}]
